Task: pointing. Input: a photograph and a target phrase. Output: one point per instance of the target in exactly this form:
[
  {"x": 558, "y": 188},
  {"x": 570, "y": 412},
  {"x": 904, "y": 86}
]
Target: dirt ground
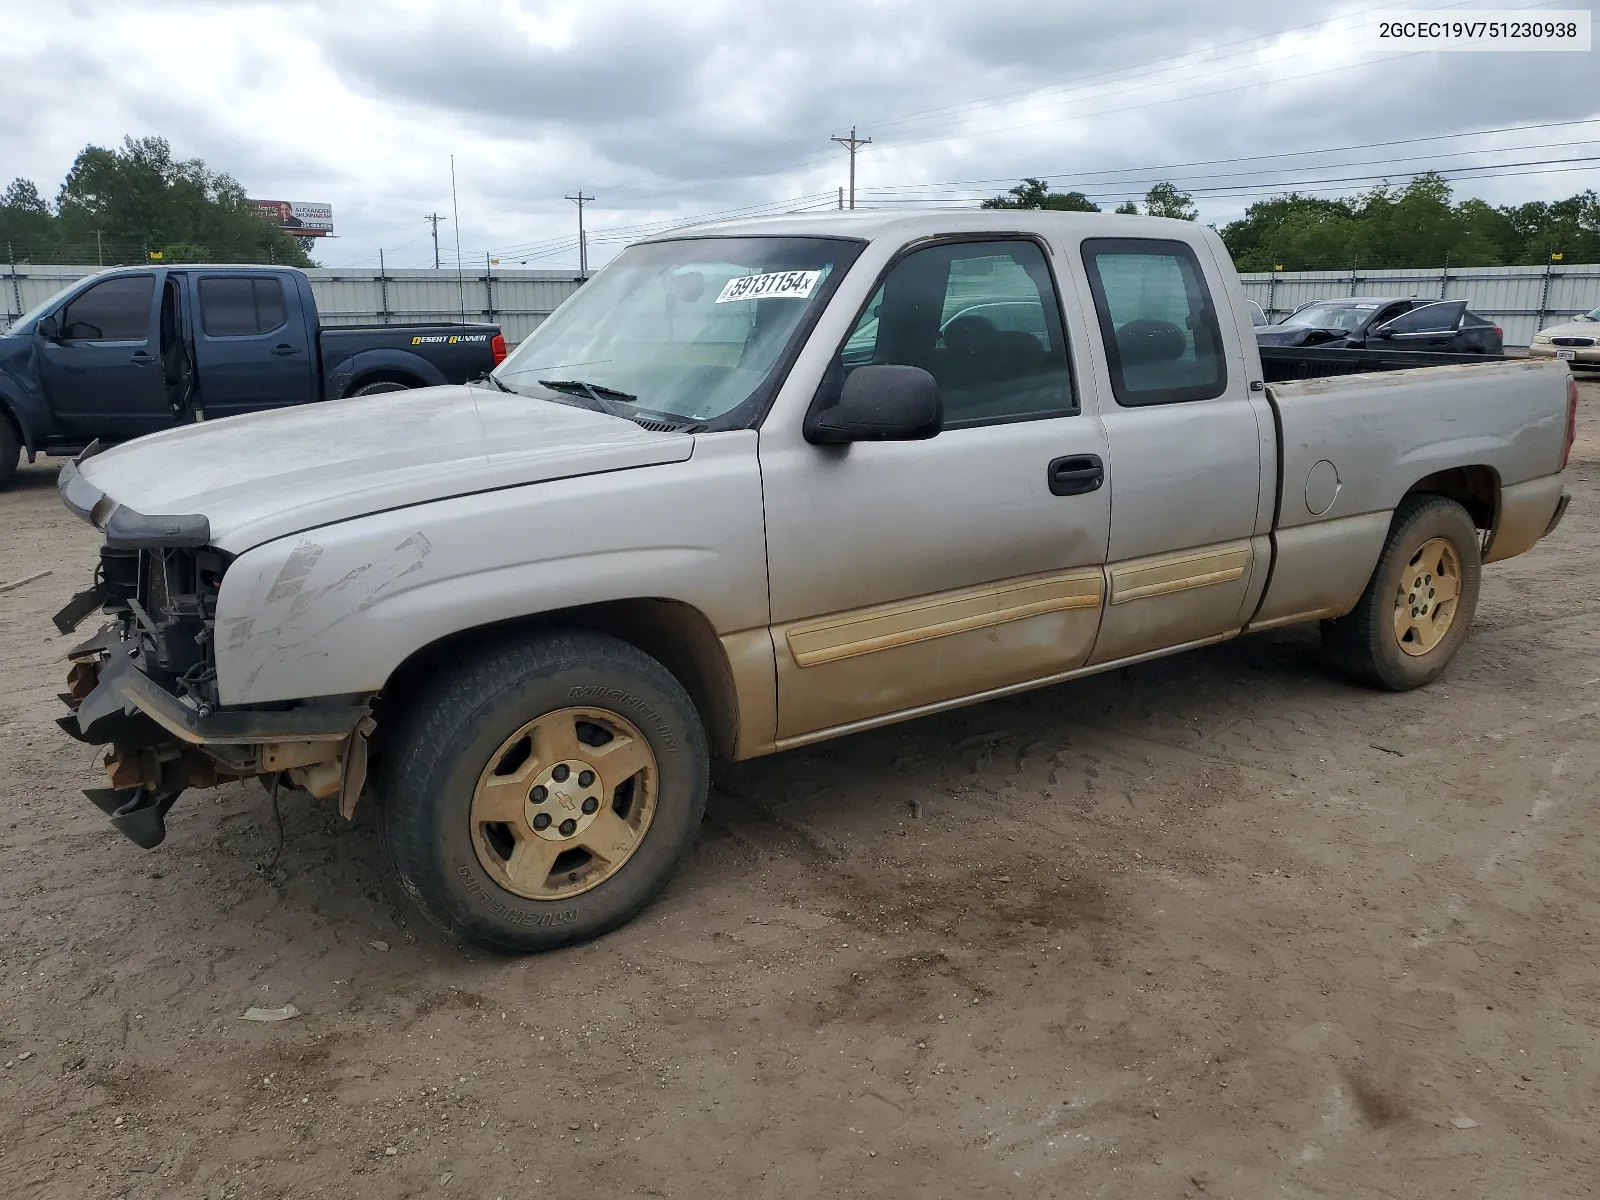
[{"x": 1224, "y": 926}]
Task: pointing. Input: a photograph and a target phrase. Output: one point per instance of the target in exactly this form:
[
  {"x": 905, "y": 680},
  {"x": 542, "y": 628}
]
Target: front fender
[
  {"x": 335, "y": 610},
  {"x": 32, "y": 418}
]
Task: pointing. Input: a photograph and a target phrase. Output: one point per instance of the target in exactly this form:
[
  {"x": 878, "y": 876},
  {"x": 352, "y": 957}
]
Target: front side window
[
  {"x": 982, "y": 319},
  {"x": 240, "y": 306},
  {"x": 1163, "y": 342},
  {"x": 697, "y": 329},
  {"x": 117, "y": 310}
]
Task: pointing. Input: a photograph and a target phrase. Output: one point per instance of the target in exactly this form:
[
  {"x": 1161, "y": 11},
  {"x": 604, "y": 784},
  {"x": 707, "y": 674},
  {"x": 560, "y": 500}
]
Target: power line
[
  {"x": 1263, "y": 187},
  {"x": 1075, "y": 174}
]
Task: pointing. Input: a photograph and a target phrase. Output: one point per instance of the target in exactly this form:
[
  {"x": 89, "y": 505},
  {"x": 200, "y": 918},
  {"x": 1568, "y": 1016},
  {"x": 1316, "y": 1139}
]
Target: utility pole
[
  {"x": 854, "y": 143},
  {"x": 99, "y": 249},
  {"x": 434, "y": 218},
  {"x": 455, "y": 212},
  {"x": 841, "y": 199},
  {"x": 583, "y": 243}
]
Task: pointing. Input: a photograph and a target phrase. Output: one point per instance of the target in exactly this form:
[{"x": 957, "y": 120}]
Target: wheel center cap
[{"x": 564, "y": 799}]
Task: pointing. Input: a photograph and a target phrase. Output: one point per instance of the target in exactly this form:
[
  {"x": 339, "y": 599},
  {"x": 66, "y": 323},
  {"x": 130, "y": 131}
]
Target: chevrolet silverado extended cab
[
  {"x": 755, "y": 486},
  {"x": 133, "y": 350}
]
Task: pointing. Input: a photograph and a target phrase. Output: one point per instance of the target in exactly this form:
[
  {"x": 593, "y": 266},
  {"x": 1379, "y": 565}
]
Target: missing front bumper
[{"x": 161, "y": 745}]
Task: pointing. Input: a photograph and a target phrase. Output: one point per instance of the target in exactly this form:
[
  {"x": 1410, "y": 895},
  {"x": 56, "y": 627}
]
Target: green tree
[
  {"x": 1036, "y": 193},
  {"x": 137, "y": 198},
  {"x": 140, "y": 194},
  {"x": 1128, "y": 208},
  {"x": 25, "y": 217},
  {"x": 1417, "y": 225},
  {"x": 1165, "y": 200}
]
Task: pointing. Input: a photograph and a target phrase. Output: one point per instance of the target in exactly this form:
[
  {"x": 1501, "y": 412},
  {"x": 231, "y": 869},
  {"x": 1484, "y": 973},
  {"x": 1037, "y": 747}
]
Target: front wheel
[
  {"x": 543, "y": 792},
  {"x": 1418, "y": 605}
]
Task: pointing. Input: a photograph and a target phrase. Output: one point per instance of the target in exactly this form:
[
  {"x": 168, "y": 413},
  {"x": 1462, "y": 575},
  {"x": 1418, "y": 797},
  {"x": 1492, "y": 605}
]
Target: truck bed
[{"x": 1284, "y": 363}]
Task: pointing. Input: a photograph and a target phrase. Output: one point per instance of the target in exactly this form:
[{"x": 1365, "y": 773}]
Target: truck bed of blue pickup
[{"x": 134, "y": 350}]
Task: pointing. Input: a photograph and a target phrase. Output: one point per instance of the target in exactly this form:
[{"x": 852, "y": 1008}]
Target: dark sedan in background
[{"x": 1397, "y": 322}]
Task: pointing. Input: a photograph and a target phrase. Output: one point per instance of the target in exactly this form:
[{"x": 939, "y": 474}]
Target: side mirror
[
  {"x": 881, "y": 404},
  {"x": 1383, "y": 331},
  {"x": 49, "y": 328}
]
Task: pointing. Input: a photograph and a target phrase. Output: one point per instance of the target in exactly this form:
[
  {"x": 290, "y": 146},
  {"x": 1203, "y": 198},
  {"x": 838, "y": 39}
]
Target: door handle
[
  {"x": 1076, "y": 474},
  {"x": 283, "y": 349},
  {"x": 143, "y": 358}
]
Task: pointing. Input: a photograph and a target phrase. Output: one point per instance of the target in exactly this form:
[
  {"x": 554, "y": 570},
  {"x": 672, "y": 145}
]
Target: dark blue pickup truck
[{"x": 134, "y": 350}]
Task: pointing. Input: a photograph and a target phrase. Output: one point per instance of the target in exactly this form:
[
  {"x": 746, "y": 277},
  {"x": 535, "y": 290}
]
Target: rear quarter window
[{"x": 1159, "y": 325}]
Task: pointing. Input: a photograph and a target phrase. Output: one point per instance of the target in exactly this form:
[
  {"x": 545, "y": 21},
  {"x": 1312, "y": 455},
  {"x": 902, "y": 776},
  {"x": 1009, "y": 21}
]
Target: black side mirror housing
[
  {"x": 49, "y": 328},
  {"x": 880, "y": 403},
  {"x": 1383, "y": 331}
]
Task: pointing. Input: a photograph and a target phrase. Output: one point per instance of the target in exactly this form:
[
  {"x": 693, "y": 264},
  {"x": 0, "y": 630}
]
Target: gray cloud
[{"x": 666, "y": 110}]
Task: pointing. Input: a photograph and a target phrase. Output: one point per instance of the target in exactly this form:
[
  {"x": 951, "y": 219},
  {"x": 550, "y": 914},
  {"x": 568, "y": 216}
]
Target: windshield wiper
[
  {"x": 491, "y": 378},
  {"x": 593, "y": 390}
]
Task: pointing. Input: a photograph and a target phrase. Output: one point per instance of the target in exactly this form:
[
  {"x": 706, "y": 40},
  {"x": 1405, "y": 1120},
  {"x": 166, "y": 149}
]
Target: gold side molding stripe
[
  {"x": 1167, "y": 573},
  {"x": 864, "y": 631}
]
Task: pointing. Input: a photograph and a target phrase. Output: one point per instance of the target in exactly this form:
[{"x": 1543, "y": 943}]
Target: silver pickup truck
[{"x": 754, "y": 486}]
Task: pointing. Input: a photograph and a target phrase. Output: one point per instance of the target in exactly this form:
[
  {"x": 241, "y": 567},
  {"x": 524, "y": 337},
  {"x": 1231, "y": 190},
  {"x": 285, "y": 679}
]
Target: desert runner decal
[{"x": 794, "y": 285}]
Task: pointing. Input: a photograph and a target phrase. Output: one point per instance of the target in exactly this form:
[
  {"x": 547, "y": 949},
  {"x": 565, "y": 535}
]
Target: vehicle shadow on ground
[{"x": 37, "y": 476}]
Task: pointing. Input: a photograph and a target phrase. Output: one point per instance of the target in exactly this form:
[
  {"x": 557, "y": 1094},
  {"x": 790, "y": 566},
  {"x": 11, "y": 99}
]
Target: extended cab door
[
  {"x": 1188, "y": 444},
  {"x": 102, "y": 371},
  {"x": 252, "y": 347},
  {"x": 905, "y": 574}
]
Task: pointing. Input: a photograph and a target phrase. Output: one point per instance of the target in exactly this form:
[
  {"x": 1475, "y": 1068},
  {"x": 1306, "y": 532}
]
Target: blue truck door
[
  {"x": 102, "y": 373},
  {"x": 251, "y": 347}
]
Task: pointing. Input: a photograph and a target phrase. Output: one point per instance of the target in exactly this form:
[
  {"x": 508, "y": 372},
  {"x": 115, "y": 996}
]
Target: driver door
[
  {"x": 103, "y": 374},
  {"x": 908, "y": 574},
  {"x": 1428, "y": 327}
]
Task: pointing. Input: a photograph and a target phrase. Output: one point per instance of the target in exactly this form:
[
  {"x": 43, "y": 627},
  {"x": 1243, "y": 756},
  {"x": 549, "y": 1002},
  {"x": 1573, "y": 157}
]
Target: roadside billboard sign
[{"x": 298, "y": 217}]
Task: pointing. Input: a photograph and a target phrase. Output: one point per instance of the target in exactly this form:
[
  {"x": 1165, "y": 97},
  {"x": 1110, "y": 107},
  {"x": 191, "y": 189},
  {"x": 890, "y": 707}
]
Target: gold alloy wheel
[
  {"x": 563, "y": 803},
  {"x": 1425, "y": 604}
]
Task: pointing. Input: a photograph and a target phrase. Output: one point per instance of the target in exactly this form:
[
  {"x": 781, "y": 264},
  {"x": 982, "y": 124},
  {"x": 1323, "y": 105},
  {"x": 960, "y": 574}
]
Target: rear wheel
[
  {"x": 10, "y": 452},
  {"x": 1418, "y": 605},
  {"x": 379, "y": 385},
  {"x": 543, "y": 792}
]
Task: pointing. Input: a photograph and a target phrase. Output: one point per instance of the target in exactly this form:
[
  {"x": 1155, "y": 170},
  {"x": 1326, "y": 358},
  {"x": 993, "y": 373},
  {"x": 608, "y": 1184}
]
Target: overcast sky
[{"x": 669, "y": 110}]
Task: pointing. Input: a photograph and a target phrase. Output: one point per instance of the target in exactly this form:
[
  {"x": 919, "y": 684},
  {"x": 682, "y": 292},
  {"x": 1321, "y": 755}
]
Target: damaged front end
[{"x": 145, "y": 686}]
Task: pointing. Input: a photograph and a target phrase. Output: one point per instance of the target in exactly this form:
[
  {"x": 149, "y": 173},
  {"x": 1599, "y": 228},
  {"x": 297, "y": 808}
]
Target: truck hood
[{"x": 268, "y": 475}]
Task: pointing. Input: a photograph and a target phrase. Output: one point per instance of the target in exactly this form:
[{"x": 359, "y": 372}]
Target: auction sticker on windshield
[{"x": 794, "y": 285}]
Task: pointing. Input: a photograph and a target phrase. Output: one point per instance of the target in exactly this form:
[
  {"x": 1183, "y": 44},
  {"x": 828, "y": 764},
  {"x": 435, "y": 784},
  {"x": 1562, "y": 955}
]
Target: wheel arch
[
  {"x": 369, "y": 366},
  {"x": 675, "y": 634},
  {"x": 11, "y": 414},
  {"x": 1476, "y": 488}
]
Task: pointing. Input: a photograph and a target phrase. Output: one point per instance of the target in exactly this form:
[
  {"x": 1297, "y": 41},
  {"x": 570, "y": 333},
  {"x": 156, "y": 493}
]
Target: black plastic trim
[{"x": 127, "y": 529}]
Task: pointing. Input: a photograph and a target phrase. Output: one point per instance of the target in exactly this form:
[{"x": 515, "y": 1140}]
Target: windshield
[
  {"x": 1346, "y": 315},
  {"x": 692, "y": 328},
  {"x": 1592, "y": 315}
]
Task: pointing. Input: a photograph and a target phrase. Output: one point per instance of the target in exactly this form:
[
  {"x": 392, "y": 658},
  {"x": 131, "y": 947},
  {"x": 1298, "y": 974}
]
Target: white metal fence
[
  {"x": 1521, "y": 300},
  {"x": 516, "y": 300}
]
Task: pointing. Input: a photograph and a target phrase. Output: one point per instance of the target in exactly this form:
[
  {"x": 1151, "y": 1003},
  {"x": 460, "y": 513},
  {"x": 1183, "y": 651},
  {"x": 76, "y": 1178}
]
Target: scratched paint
[{"x": 296, "y": 612}]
